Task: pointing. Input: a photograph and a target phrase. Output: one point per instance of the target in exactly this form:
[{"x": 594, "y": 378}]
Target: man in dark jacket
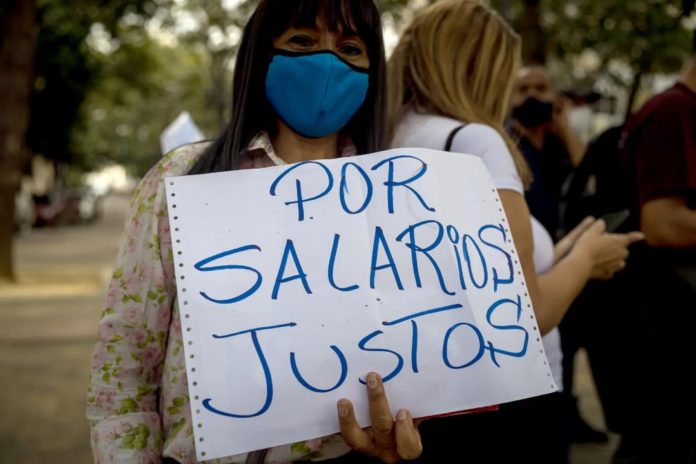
[
  {"x": 660, "y": 144},
  {"x": 541, "y": 122}
]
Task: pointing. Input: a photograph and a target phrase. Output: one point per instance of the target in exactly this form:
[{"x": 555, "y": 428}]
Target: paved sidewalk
[
  {"x": 48, "y": 325},
  {"x": 591, "y": 410}
]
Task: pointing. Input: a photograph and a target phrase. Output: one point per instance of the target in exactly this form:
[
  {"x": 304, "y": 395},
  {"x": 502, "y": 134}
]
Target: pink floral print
[{"x": 138, "y": 400}]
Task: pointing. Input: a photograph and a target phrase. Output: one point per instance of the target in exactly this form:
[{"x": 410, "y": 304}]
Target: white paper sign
[
  {"x": 295, "y": 281},
  {"x": 180, "y": 132}
]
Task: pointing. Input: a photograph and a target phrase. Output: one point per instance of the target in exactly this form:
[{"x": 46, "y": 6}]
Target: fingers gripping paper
[{"x": 295, "y": 281}]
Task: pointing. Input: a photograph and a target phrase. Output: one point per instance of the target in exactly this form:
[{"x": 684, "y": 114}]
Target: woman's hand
[
  {"x": 567, "y": 243},
  {"x": 607, "y": 252},
  {"x": 388, "y": 439}
]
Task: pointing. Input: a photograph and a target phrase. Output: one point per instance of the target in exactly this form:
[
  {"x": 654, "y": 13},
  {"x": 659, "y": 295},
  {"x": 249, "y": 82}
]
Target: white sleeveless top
[{"x": 431, "y": 131}]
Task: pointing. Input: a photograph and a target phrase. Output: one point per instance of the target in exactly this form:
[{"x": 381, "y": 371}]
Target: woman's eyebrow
[{"x": 348, "y": 33}]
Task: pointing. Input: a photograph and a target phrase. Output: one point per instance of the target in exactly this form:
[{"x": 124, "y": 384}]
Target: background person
[
  {"x": 546, "y": 139},
  {"x": 552, "y": 148},
  {"x": 659, "y": 144},
  {"x": 450, "y": 81}
]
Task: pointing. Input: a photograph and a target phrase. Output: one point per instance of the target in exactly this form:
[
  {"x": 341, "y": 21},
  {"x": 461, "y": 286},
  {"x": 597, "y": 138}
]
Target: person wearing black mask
[{"x": 541, "y": 123}]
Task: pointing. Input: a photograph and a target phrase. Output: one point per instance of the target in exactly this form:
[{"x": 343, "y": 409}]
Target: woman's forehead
[
  {"x": 332, "y": 16},
  {"x": 322, "y": 28}
]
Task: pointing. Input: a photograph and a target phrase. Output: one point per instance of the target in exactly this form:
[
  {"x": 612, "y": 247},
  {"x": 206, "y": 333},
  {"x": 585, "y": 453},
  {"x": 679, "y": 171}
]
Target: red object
[{"x": 494, "y": 407}]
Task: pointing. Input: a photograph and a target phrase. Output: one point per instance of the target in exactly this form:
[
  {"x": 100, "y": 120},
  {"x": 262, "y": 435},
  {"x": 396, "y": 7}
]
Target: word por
[{"x": 391, "y": 183}]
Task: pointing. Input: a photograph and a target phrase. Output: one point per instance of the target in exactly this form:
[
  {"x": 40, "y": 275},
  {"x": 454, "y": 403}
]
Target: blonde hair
[{"x": 457, "y": 58}]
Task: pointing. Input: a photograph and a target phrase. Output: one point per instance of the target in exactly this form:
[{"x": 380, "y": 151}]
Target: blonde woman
[{"x": 450, "y": 80}]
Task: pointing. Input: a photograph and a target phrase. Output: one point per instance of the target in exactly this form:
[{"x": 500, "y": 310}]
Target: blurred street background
[
  {"x": 87, "y": 89},
  {"x": 47, "y": 332}
]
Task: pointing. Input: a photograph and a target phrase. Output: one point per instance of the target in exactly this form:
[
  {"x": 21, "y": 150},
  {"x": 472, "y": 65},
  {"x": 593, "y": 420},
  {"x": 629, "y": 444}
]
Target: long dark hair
[{"x": 251, "y": 112}]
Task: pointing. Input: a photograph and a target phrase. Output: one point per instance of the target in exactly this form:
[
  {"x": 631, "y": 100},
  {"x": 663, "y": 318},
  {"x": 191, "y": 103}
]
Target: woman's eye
[
  {"x": 300, "y": 40},
  {"x": 351, "y": 50}
]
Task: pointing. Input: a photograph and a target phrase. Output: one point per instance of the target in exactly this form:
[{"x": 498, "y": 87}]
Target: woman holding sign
[
  {"x": 309, "y": 82},
  {"x": 450, "y": 80}
]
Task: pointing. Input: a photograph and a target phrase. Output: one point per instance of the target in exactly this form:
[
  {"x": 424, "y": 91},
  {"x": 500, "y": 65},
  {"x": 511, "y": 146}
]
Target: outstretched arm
[{"x": 668, "y": 222}]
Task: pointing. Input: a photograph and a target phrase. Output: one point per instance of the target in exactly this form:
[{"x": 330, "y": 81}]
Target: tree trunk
[
  {"x": 17, "y": 47},
  {"x": 533, "y": 39}
]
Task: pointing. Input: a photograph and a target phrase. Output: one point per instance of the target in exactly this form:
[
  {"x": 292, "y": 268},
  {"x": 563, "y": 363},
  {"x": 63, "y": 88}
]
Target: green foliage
[
  {"x": 143, "y": 88},
  {"x": 393, "y": 8},
  {"x": 89, "y": 107},
  {"x": 64, "y": 69},
  {"x": 218, "y": 32},
  {"x": 646, "y": 34}
]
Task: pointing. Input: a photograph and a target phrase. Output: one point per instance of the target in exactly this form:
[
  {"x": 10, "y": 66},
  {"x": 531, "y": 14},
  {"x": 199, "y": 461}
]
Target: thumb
[
  {"x": 584, "y": 224},
  {"x": 635, "y": 237},
  {"x": 598, "y": 227}
]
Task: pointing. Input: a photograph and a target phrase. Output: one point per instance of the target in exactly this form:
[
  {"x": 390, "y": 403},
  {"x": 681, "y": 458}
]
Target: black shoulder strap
[{"x": 450, "y": 137}]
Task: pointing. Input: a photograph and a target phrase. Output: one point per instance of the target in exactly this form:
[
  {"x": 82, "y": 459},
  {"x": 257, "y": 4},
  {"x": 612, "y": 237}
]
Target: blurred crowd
[{"x": 639, "y": 175}]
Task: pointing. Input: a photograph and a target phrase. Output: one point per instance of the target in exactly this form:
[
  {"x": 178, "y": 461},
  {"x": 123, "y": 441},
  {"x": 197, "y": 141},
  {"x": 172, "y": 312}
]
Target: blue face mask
[{"x": 315, "y": 94}]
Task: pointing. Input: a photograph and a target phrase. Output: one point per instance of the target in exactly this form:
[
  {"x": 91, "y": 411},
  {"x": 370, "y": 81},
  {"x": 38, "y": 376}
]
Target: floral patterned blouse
[{"x": 138, "y": 399}]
